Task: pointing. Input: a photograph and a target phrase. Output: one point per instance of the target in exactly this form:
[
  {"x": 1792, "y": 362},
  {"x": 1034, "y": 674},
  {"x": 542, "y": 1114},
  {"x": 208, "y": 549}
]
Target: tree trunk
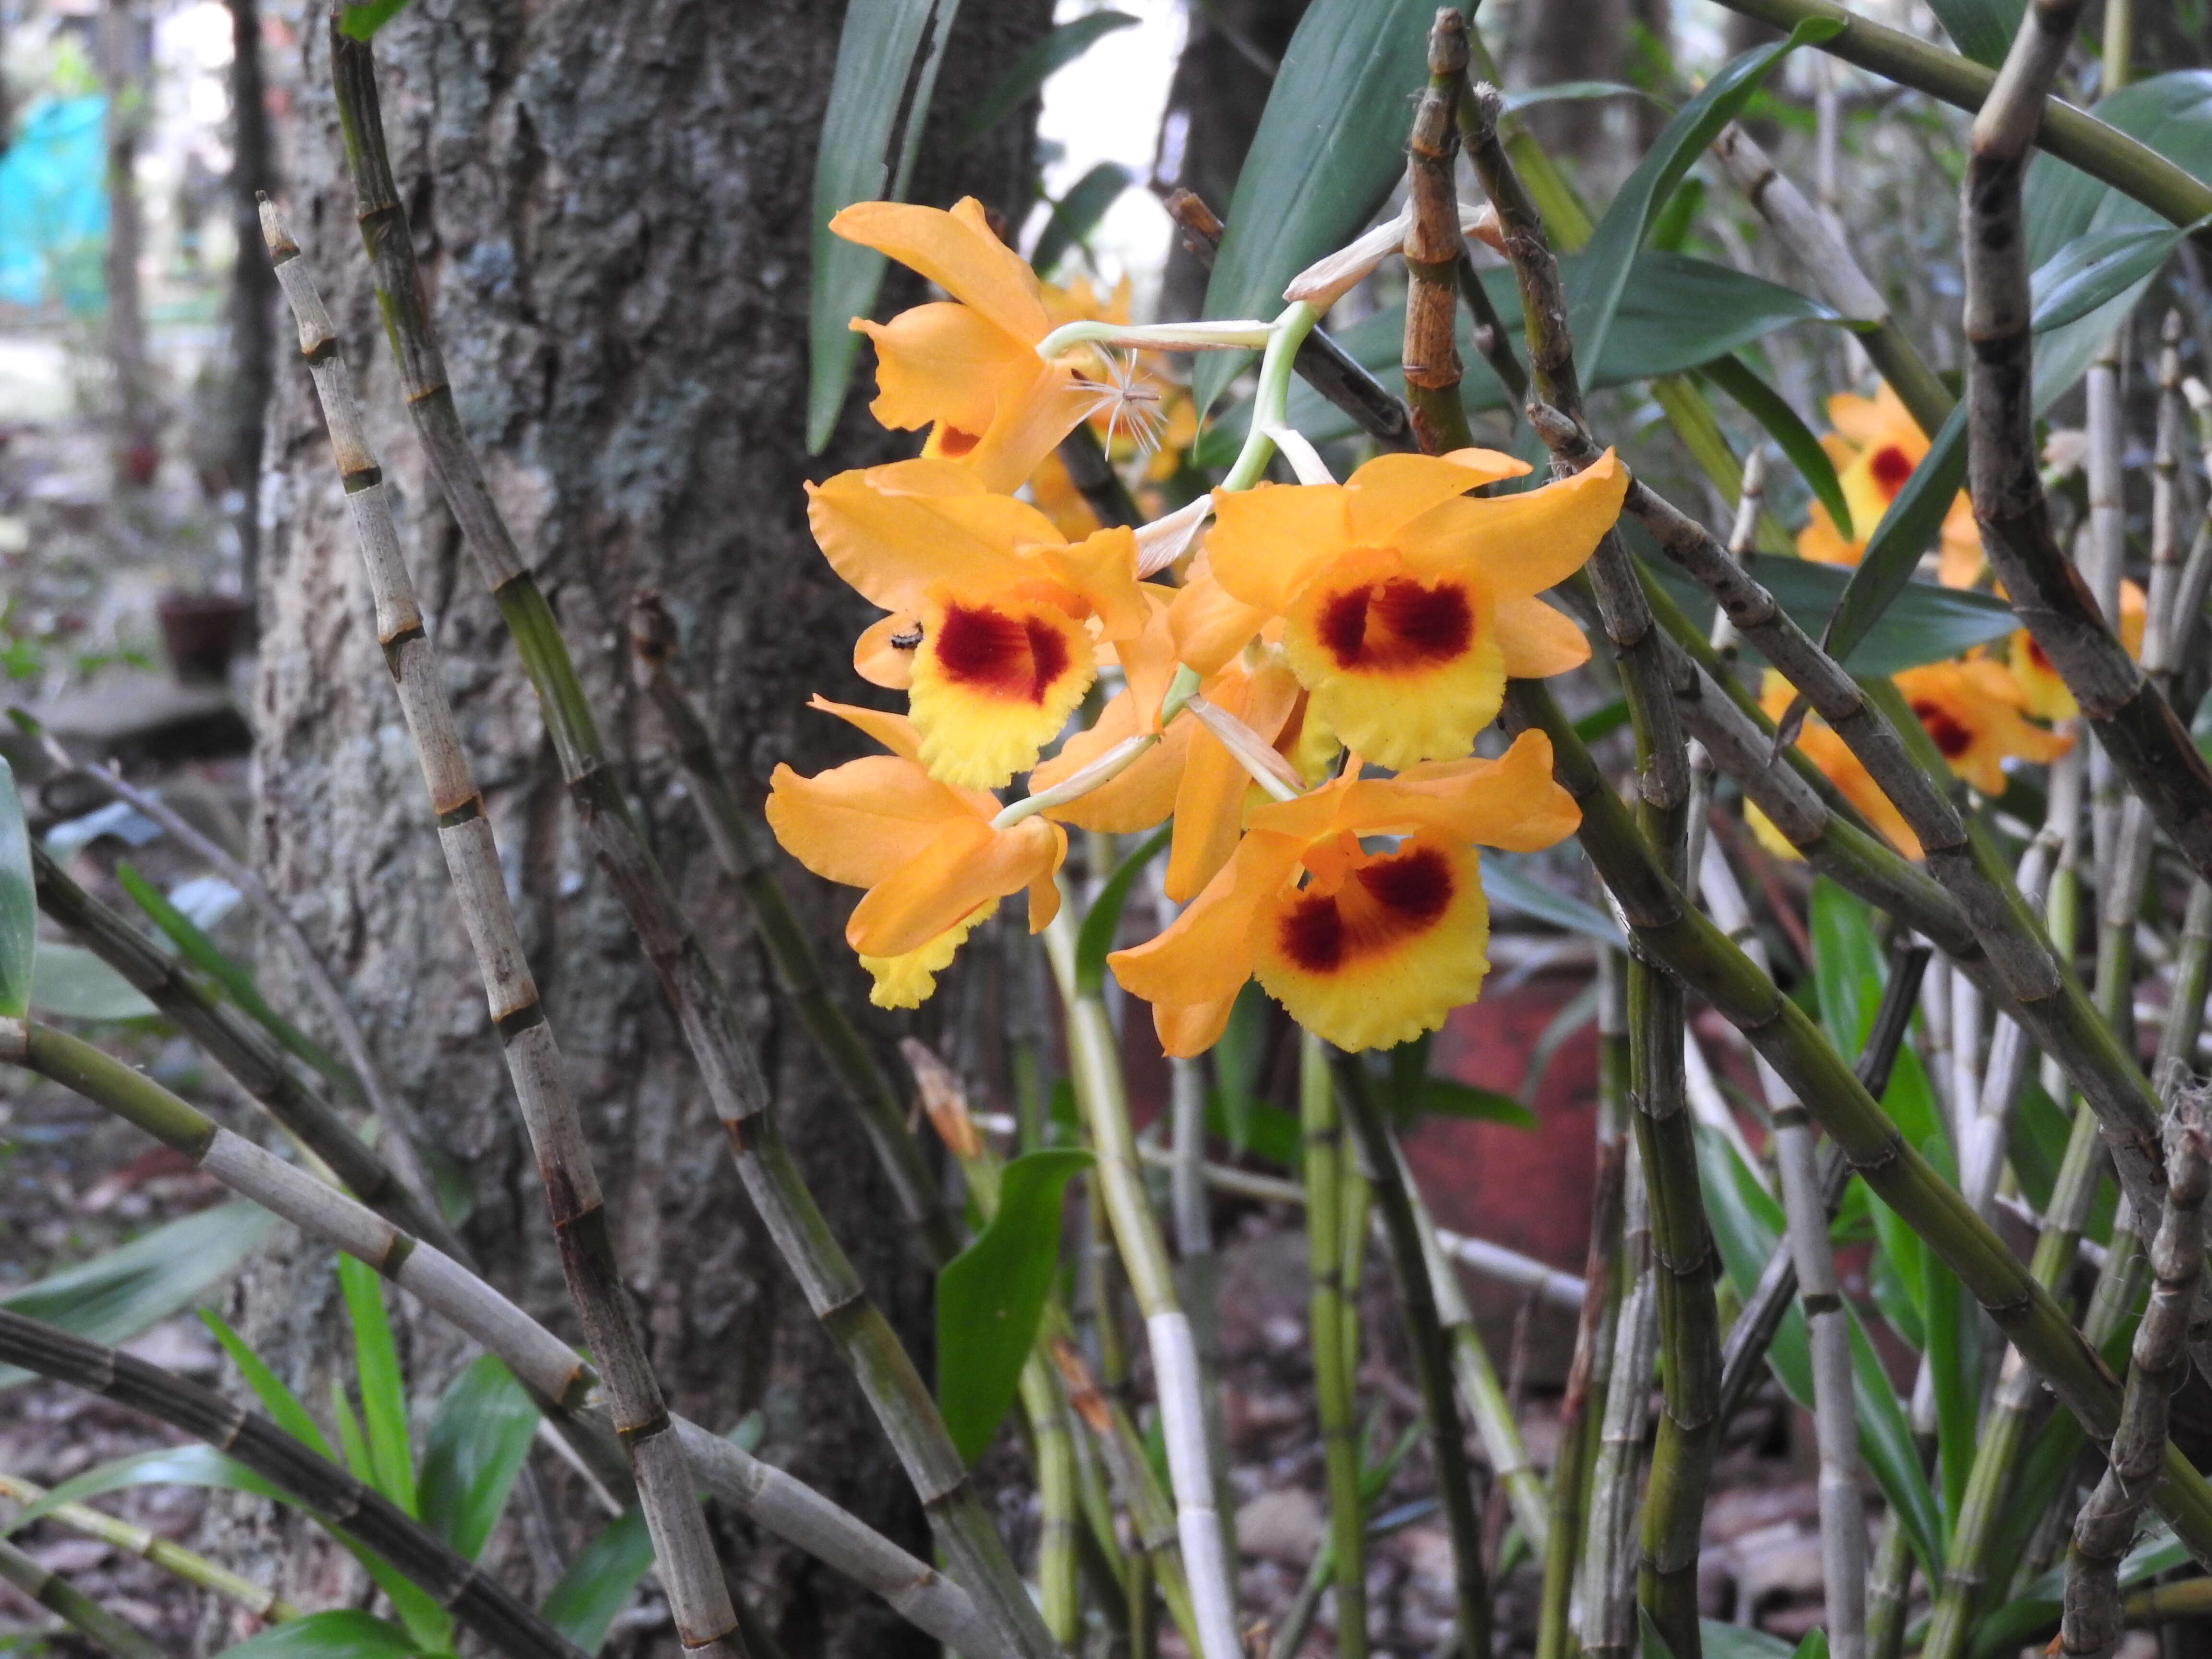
[
  {"x": 1572, "y": 40},
  {"x": 612, "y": 209},
  {"x": 252, "y": 287}
]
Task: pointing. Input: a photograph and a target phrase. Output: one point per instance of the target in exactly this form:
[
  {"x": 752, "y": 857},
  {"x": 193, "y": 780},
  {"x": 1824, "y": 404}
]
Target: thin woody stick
[
  {"x": 1322, "y": 1139},
  {"x": 2093, "y": 1619},
  {"x": 704, "y": 1009},
  {"x": 547, "y": 1367},
  {"x": 457, "y": 1585},
  {"x": 1608, "y": 1592},
  {"x": 698, "y": 1599}
]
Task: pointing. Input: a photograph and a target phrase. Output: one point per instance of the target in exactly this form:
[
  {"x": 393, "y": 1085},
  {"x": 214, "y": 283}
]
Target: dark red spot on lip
[
  {"x": 952, "y": 443},
  {"x": 2035, "y": 655},
  {"x": 1015, "y": 656},
  {"x": 1952, "y": 738},
  {"x": 1411, "y": 889},
  {"x": 1398, "y": 623},
  {"x": 1891, "y": 467}
]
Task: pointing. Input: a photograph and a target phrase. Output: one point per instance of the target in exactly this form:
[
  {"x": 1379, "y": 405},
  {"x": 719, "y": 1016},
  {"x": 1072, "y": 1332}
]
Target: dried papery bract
[{"x": 697, "y": 1595}]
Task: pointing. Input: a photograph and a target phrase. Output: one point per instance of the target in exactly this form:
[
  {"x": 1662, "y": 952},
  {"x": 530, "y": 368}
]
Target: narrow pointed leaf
[
  {"x": 278, "y": 1401},
  {"x": 1791, "y": 436},
  {"x": 1103, "y": 919},
  {"x": 599, "y": 1581},
  {"x": 127, "y": 1290},
  {"x": 473, "y": 1452},
  {"x": 990, "y": 1296},
  {"x": 2098, "y": 266},
  {"x": 165, "y": 1466},
  {"x": 1906, "y": 532},
  {"x": 383, "y": 1394},
  {"x": 1601, "y": 277},
  {"x": 879, "y": 98},
  {"x": 339, "y": 1633},
  {"x": 1077, "y": 214},
  {"x": 1981, "y": 29},
  {"x": 68, "y": 982},
  {"x": 1331, "y": 144}
]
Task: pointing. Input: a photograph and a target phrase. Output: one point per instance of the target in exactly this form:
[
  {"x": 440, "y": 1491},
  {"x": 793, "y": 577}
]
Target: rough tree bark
[{"x": 612, "y": 205}]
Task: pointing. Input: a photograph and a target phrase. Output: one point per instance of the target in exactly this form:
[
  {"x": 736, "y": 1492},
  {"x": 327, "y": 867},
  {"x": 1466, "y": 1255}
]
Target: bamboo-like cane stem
[
  {"x": 1094, "y": 1061},
  {"x": 171, "y": 1558},
  {"x": 1744, "y": 1353},
  {"x": 239, "y": 1046},
  {"x": 1683, "y": 941},
  {"x": 457, "y": 1585},
  {"x": 90, "y": 1621},
  {"x": 1432, "y": 1354},
  {"x": 2163, "y": 625},
  {"x": 1824, "y": 257},
  {"x": 698, "y": 1598},
  {"x": 705, "y": 1011},
  {"x": 1835, "y": 1394},
  {"x": 1681, "y": 1243},
  {"x": 2093, "y": 1621},
  {"x": 1585, "y": 1400},
  {"x": 544, "y": 1365},
  {"x": 2148, "y": 742},
  {"x": 1057, "y": 1598},
  {"x": 2042, "y": 992},
  {"x": 1436, "y": 252},
  {"x": 1608, "y": 1578},
  {"x": 2101, "y": 151},
  {"x": 748, "y": 861},
  {"x": 401, "y": 1133},
  {"x": 1333, "y": 1373}
]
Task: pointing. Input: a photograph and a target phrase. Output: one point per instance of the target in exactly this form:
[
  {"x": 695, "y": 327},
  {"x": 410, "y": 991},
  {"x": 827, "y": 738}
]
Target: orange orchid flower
[
  {"x": 1875, "y": 445},
  {"x": 1971, "y": 710},
  {"x": 933, "y": 865},
  {"x": 967, "y": 368},
  {"x": 2042, "y": 693},
  {"x": 1405, "y": 603},
  {"x": 1364, "y": 949},
  {"x": 999, "y": 601}
]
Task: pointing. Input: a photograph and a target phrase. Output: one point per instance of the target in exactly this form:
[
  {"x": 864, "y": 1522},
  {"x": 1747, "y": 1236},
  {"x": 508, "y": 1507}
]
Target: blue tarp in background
[{"x": 53, "y": 206}]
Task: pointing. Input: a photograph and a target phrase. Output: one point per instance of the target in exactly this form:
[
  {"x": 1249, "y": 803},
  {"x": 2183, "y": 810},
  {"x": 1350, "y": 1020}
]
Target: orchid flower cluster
[
  {"x": 1300, "y": 670},
  {"x": 1980, "y": 711}
]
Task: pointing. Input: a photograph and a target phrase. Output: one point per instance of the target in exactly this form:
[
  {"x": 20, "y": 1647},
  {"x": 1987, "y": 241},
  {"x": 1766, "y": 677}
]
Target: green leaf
[
  {"x": 383, "y": 1394},
  {"x": 69, "y": 982},
  {"x": 351, "y": 1441},
  {"x": 2098, "y": 266},
  {"x": 1077, "y": 214},
  {"x": 599, "y": 1581},
  {"x": 1906, "y": 531},
  {"x": 1330, "y": 146},
  {"x": 1601, "y": 275},
  {"x": 2035, "y": 1611},
  {"x": 1678, "y": 312},
  {"x": 1574, "y": 92},
  {"x": 1030, "y": 71},
  {"x": 165, "y": 1466},
  {"x": 1771, "y": 411},
  {"x": 1444, "y": 1096},
  {"x": 1651, "y": 1643},
  {"x": 990, "y": 1296},
  {"x": 19, "y": 902},
  {"x": 870, "y": 130},
  {"x": 1508, "y": 887},
  {"x": 127, "y": 1290},
  {"x": 278, "y": 1401},
  {"x": 196, "y": 947},
  {"x": 473, "y": 1452},
  {"x": 1603, "y": 721},
  {"x": 1983, "y": 29},
  {"x": 1955, "y": 1364},
  {"x": 1923, "y": 623},
  {"x": 1096, "y": 938},
  {"x": 1238, "y": 1056},
  {"x": 1815, "y": 1645},
  {"x": 1268, "y": 1131},
  {"x": 360, "y": 22},
  {"x": 1578, "y": 1011},
  {"x": 2172, "y": 113},
  {"x": 1725, "y": 1640}
]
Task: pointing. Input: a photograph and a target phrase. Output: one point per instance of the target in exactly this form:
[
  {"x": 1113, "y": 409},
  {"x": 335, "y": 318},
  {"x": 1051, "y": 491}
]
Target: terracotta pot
[{"x": 201, "y": 632}]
